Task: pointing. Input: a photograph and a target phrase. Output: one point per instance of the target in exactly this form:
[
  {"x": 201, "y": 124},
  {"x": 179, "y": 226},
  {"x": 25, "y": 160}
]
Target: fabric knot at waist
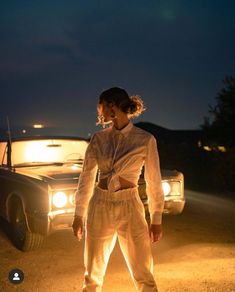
[
  {"x": 120, "y": 195},
  {"x": 113, "y": 183}
]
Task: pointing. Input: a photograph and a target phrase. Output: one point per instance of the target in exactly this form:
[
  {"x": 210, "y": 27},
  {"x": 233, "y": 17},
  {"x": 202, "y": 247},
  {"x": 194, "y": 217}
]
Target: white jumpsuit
[{"x": 114, "y": 213}]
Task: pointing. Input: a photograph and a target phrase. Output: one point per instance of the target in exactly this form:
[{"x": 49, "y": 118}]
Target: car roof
[{"x": 30, "y": 138}]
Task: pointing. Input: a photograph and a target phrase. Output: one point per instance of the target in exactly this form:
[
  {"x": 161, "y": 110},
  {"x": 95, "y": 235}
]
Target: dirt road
[{"x": 197, "y": 253}]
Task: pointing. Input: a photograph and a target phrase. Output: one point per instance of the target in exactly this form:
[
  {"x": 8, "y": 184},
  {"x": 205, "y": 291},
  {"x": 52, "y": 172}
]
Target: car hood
[
  {"x": 51, "y": 173},
  {"x": 171, "y": 174}
]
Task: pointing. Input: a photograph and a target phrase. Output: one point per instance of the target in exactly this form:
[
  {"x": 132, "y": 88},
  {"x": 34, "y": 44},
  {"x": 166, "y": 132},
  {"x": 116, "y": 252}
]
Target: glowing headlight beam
[
  {"x": 166, "y": 188},
  {"x": 59, "y": 199}
]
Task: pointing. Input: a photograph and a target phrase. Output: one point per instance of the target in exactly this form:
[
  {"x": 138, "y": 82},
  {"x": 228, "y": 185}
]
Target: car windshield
[{"x": 47, "y": 151}]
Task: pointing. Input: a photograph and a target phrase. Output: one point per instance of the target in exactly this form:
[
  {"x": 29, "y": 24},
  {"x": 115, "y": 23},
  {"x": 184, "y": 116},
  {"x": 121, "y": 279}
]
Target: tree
[{"x": 222, "y": 129}]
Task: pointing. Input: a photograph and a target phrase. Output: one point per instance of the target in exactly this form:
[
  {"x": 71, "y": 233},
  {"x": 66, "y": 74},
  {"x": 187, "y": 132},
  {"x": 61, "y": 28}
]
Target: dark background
[{"x": 57, "y": 56}]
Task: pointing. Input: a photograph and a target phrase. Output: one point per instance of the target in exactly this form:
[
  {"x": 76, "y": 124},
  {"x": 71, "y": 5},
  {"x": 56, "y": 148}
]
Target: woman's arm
[
  {"x": 86, "y": 180},
  {"x": 153, "y": 180}
]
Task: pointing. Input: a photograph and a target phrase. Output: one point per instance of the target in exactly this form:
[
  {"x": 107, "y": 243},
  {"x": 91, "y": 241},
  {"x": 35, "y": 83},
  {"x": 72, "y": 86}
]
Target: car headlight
[
  {"x": 166, "y": 188},
  {"x": 59, "y": 199}
]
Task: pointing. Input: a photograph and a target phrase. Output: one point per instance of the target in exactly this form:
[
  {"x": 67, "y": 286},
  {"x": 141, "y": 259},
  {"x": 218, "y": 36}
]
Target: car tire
[{"x": 22, "y": 238}]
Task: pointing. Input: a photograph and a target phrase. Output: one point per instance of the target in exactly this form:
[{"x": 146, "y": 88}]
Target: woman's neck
[{"x": 120, "y": 124}]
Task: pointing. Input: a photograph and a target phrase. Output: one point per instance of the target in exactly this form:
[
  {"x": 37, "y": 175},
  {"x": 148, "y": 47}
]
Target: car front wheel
[{"x": 22, "y": 238}]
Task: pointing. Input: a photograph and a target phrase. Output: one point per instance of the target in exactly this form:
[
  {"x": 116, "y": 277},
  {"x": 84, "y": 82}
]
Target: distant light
[
  {"x": 207, "y": 148},
  {"x": 23, "y": 131},
  {"x": 38, "y": 126},
  {"x": 221, "y": 148},
  {"x": 199, "y": 143}
]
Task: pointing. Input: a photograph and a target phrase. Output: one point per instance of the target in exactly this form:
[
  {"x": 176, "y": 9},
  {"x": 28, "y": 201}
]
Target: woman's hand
[
  {"x": 155, "y": 232},
  {"x": 78, "y": 227}
]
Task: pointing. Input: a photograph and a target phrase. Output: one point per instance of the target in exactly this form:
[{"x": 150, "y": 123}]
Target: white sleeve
[
  {"x": 86, "y": 180},
  {"x": 153, "y": 181}
]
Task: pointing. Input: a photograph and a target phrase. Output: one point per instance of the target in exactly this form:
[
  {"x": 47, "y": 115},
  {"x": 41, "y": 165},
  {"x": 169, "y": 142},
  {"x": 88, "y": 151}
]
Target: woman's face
[{"x": 105, "y": 110}]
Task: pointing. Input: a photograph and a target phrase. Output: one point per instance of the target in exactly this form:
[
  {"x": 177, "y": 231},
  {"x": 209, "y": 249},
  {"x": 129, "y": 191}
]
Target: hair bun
[{"x": 136, "y": 106}]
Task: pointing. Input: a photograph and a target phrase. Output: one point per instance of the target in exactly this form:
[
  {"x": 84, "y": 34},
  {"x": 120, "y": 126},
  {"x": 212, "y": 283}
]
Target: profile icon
[{"x": 16, "y": 276}]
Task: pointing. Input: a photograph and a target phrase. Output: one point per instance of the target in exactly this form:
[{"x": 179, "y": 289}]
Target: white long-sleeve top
[{"x": 122, "y": 153}]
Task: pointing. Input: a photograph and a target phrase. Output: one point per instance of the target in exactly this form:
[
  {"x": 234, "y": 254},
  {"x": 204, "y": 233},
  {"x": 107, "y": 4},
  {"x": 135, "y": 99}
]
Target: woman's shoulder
[
  {"x": 142, "y": 132},
  {"x": 101, "y": 133},
  {"x": 144, "y": 135}
]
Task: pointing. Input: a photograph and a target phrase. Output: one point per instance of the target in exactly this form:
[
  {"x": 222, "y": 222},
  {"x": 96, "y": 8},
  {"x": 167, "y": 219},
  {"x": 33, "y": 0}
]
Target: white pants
[{"x": 117, "y": 215}]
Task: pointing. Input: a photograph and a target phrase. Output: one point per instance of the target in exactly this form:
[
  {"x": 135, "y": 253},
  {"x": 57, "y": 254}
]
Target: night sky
[{"x": 57, "y": 56}]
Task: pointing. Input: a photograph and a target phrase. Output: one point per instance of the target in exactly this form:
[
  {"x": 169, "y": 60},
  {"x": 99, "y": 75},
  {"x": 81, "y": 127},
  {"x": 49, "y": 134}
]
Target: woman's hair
[{"x": 133, "y": 105}]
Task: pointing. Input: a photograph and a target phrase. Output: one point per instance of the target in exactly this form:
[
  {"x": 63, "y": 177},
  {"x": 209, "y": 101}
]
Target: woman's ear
[
  {"x": 113, "y": 110},
  {"x": 111, "y": 104}
]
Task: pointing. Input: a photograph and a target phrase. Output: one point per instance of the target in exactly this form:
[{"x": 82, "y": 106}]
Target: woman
[{"x": 113, "y": 208}]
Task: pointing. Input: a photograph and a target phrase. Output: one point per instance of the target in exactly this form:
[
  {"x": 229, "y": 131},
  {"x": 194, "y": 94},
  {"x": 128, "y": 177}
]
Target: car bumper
[
  {"x": 48, "y": 223},
  {"x": 62, "y": 221},
  {"x": 174, "y": 206}
]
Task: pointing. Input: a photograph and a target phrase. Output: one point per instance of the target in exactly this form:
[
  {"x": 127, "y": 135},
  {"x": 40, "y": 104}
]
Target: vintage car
[{"x": 38, "y": 180}]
